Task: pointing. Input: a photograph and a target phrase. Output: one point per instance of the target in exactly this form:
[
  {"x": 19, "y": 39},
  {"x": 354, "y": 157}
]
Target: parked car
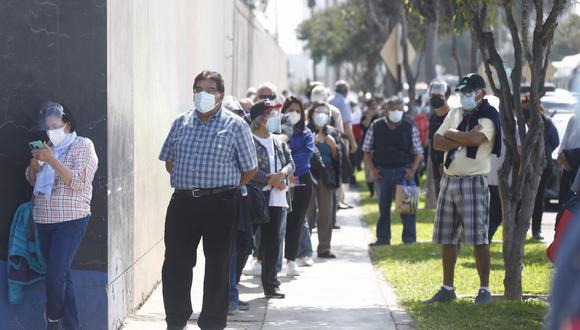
[{"x": 560, "y": 118}]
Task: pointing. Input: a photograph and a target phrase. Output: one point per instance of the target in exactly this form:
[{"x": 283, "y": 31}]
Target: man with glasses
[
  {"x": 468, "y": 135},
  {"x": 266, "y": 91},
  {"x": 209, "y": 153}
]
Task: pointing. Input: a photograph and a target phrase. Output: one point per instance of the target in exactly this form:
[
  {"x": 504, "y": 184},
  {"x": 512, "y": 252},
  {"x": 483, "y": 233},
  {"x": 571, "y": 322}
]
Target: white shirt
[
  {"x": 277, "y": 197},
  {"x": 571, "y": 139}
]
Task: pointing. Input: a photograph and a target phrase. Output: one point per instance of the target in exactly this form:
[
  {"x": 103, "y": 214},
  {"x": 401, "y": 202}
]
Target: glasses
[
  {"x": 270, "y": 97},
  {"x": 212, "y": 91}
]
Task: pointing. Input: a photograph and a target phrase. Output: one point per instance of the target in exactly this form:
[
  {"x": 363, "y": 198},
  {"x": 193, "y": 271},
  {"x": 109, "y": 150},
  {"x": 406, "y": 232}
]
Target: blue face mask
[
  {"x": 467, "y": 102},
  {"x": 273, "y": 124}
]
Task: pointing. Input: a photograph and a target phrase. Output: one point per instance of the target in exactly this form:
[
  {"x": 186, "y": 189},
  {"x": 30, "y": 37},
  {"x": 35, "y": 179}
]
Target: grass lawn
[{"x": 416, "y": 274}]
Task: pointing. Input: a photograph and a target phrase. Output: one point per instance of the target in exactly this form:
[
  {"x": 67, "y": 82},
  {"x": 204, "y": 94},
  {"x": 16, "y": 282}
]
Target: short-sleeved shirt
[
  {"x": 211, "y": 154},
  {"x": 461, "y": 164},
  {"x": 339, "y": 101}
]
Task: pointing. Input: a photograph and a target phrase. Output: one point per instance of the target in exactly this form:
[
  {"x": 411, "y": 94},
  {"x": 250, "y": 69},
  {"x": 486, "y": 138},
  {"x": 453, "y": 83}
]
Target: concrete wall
[
  {"x": 155, "y": 49},
  {"x": 53, "y": 50}
]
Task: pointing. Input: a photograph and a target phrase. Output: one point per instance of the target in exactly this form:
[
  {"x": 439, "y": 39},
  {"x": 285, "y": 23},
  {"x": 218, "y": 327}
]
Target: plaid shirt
[
  {"x": 69, "y": 202},
  {"x": 211, "y": 154},
  {"x": 370, "y": 138}
]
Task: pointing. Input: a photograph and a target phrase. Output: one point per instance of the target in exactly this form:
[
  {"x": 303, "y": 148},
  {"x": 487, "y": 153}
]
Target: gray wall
[{"x": 155, "y": 49}]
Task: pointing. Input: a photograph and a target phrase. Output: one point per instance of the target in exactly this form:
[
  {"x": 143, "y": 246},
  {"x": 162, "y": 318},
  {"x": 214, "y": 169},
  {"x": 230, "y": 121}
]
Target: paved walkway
[{"x": 345, "y": 293}]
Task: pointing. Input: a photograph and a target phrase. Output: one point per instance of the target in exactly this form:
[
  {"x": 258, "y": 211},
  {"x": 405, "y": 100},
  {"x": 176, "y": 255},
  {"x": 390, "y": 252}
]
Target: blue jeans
[
  {"x": 59, "y": 243},
  {"x": 305, "y": 246},
  {"x": 234, "y": 294},
  {"x": 386, "y": 187},
  {"x": 282, "y": 239}
]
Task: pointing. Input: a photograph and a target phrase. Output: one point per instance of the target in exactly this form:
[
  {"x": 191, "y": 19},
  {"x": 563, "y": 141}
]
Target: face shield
[
  {"x": 232, "y": 104},
  {"x": 273, "y": 117},
  {"x": 51, "y": 116},
  {"x": 321, "y": 116}
]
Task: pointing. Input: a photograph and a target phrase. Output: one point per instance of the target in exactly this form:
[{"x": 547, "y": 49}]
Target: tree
[
  {"x": 567, "y": 38},
  {"x": 517, "y": 196}
]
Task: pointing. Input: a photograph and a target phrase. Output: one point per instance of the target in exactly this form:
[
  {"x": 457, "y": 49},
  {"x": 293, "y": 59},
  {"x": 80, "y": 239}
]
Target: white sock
[
  {"x": 486, "y": 288},
  {"x": 448, "y": 288}
]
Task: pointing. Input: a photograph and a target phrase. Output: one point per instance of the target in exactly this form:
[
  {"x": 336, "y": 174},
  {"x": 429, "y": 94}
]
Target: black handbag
[
  {"x": 257, "y": 202},
  {"x": 328, "y": 177}
]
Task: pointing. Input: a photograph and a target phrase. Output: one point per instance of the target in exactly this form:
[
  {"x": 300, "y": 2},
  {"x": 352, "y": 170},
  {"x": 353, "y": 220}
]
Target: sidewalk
[{"x": 345, "y": 293}]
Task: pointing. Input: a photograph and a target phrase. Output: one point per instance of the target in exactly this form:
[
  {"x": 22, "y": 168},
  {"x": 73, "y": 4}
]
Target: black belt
[{"x": 200, "y": 192}]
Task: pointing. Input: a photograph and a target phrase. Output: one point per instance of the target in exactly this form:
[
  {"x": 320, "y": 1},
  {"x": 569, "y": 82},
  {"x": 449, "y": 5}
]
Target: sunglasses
[{"x": 270, "y": 97}]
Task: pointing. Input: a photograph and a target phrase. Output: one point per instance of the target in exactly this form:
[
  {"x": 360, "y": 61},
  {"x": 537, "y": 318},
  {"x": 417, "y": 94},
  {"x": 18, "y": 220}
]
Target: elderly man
[
  {"x": 339, "y": 100},
  {"x": 393, "y": 151},
  {"x": 468, "y": 136},
  {"x": 209, "y": 153}
]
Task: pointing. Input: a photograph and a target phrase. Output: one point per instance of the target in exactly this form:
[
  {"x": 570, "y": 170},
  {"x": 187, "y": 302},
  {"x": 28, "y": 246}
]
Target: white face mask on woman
[
  {"x": 293, "y": 117},
  {"x": 320, "y": 119},
  {"x": 56, "y": 136}
]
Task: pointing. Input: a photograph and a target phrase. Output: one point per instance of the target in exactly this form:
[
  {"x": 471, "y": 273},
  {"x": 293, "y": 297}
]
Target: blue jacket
[
  {"x": 302, "y": 146},
  {"x": 25, "y": 261}
]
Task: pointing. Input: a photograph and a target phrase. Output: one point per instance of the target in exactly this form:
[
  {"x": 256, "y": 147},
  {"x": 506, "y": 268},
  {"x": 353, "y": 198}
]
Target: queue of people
[{"x": 253, "y": 178}]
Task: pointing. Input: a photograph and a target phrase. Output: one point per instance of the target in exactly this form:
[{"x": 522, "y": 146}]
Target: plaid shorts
[{"x": 462, "y": 208}]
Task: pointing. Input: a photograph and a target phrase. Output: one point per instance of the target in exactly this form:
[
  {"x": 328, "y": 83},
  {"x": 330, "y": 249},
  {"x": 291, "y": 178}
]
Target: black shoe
[
  {"x": 52, "y": 325},
  {"x": 378, "y": 243},
  {"x": 274, "y": 295},
  {"x": 244, "y": 305},
  {"x": 443, "y": 296},
  {"x": 327, "y": 255},
  {"x": 177, "y": 326},
  {"x": 336, "y": 227},
  {"x": 538, "y": 236}
]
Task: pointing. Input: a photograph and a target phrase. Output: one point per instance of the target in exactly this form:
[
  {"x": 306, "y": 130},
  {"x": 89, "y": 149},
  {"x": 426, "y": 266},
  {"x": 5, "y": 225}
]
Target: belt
[{"x": 201, "y": 192}]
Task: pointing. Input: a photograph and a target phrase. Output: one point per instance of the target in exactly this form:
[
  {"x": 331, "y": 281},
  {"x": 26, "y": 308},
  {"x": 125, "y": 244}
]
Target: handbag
[
  {"x": 256, "y": 203},
  {"x": 407, "y": 197}
]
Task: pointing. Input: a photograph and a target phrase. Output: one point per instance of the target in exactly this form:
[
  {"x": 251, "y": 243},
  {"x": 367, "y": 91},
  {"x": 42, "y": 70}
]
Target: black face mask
[{"x": 437, "y": 102}]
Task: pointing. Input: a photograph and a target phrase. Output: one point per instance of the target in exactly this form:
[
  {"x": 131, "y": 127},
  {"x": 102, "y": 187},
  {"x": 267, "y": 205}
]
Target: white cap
[
  {"x": 319, "y": 94},
  {"x": 438, "y": 87}
]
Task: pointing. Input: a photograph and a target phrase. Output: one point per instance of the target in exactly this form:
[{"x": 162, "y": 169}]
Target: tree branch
[{"x": 371, "y": 9}]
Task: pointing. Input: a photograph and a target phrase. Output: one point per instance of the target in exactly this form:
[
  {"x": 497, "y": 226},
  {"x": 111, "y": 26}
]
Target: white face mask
[
  {"x": 204, "y": 102},
  {"x": 395, "y": 116},
  {"x": 320, "y": 119},
  {"x": 293, "y": 117},
  {"x": 56, "y": 136}
]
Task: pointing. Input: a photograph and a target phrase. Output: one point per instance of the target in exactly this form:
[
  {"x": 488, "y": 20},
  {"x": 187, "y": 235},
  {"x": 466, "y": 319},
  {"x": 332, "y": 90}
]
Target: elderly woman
[
  {"x": 275, "y": 166},
  {"x": 327, "y": 141},
  {"x": 62, "y": 173}
]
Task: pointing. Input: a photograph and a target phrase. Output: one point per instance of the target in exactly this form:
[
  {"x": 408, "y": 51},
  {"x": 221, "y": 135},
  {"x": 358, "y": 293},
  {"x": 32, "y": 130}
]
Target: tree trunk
[
  {"x": 473, "y": 60},
  {"x": 432, "y": 28},
  {"x": 455, "y": 54}
]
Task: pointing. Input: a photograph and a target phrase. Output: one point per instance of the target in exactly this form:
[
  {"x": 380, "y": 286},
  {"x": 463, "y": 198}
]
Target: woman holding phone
[{"x": 62, "y": 173}]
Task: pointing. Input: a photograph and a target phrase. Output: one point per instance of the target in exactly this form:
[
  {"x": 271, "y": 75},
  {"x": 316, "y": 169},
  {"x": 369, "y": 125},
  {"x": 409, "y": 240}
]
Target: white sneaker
[
  {"x": 292, "y": 269},
  {"x": 305, "y": 262}
]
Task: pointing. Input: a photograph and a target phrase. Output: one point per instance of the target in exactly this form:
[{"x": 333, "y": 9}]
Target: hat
[
  {"x": 470, "y": 82},
  {"x": 319, "y": 94},
  {"x": 438, "y": 87},
  {"x": 263, "y": 106}
]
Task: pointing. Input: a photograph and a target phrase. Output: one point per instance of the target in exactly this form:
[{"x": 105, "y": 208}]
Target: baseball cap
[
  {"x": 438, "y": 87},
  {"x": 261, "y": 107},
  {"x": 470, "y": 82},
  {"x": 319, "y": 94}
]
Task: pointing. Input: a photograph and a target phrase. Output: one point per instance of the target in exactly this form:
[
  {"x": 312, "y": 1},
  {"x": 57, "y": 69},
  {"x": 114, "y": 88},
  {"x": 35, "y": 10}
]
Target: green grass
[{"x": 416, "y": 274}]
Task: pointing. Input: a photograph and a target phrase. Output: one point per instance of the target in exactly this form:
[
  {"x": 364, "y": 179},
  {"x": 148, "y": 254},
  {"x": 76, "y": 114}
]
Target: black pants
[
  {"x": 189, "y": 219},
  {"x": 565, "y": 185},
  {"x": 494, "y": 211},
  {"x": 539, "y": 203},
  {"x": 436, "y": 167},
  {"x": 270, "y": 249},
  {"x": 296, "y": 218}
]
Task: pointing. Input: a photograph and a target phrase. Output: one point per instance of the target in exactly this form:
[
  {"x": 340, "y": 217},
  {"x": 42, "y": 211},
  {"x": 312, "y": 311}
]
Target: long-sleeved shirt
[
  {"x": 69, "y": 202},
  {"x": 302, "y": 146}
]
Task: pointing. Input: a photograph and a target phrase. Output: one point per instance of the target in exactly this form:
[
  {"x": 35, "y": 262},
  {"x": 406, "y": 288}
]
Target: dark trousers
[
  {"x": 436, "y": 167},
  {"x": 59, "y": 243},
  {"x": 296, "y": 218},
  {"x": 270, "y": 249},
  {"x": 495, "y": 216},
  {"x": 189, "y": 219},
  {"x": 391, "y": 177},
  {"x": 539, "y": 203},
  {"x": 566, "y": 181}
]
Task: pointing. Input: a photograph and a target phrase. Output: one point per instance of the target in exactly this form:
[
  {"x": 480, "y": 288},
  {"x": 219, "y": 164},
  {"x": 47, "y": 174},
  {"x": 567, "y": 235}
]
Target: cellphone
[{"x": 36, "y": 145}]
